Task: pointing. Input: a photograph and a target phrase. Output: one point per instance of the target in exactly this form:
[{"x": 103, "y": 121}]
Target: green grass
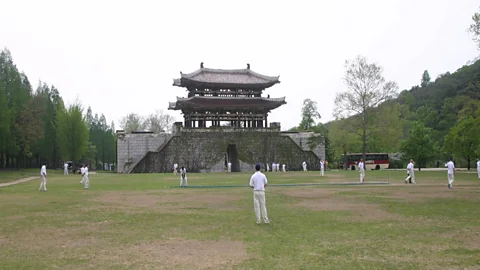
[{"x": 137, "y": 222}]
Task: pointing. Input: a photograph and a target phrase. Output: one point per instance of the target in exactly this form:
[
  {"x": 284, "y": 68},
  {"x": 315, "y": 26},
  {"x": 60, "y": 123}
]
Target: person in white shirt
[
  {"x": 268, "y": 167},
  {"x": 273, "y": 166},
  {"x": 361, "y": 168},
  {"x": 322, "y": 168},
  {"x": 258, "y": 182},
  {"x": 43, "y": 174},
  {"x": 229, "y": 167},
  {"x": 65, "y": 169},
  {"x": 450, "y": 173},
  {"x": 283, "y": 168},
  {"x": 175, "y": 166},
  {"x": 304, "y": 165},
  {"x": 85, "y": 176},
  {"x": 183, "y": 177},
  {"x": 410, "y": 172},
  {"x": 478, "y": 168},
  {"x": 82, "y": 172}
]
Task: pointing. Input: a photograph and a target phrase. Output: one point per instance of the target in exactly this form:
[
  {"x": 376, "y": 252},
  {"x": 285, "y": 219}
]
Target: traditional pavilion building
[{"x": 220, "y": 97}]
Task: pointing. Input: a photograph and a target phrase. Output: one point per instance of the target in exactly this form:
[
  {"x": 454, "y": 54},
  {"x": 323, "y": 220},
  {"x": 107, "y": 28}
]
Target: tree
[
  {"x": 367, "y": 89},
  {"x": 73, "y": 133},
  {"x": 159, "y": 122},
  {"x": 419, "y": 145},
  {"x": 343, "y": 138},
  {"x": 462, "y": 140},
  {"x": 425, "y": 79},
  {"x": 132, "y": 122},
  {"x": 474, "y": 28},
  {"x": 309, "y": 114}
]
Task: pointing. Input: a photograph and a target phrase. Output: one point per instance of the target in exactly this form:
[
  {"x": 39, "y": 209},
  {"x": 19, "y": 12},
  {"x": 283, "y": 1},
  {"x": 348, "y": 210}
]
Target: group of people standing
[
  {"x": 183, "y": 175},
  {"x": 276, "y": 167},
  {"x": 83, "y": 172}
]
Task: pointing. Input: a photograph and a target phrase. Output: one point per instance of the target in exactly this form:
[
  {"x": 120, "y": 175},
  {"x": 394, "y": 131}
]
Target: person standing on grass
[
  {"x": 82, "y": 172},
  {"x": 322, "y": 168},
  {"x": 258, "y": 182},
  {"x": 284, "y": 168},
  {"x": 304, "y": 165},
  {"x": 175, "y": 166},
  {"x": 229, "y": 165},
  {"x": 65, "y": 168},
  {"x": 411, "y": 173},
  {"x": 183, "y": 177},
  {"x": 478, "y": 168},
  {"x": 43, "y": 174},
  {"x": 450, "y": 173},
  {"x": 361, "y": 168},
  {"x": 85, "y": 176}
]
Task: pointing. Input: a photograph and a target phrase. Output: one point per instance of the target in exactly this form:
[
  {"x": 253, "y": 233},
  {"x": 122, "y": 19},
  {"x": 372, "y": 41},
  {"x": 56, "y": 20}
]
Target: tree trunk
[
  {"x": 364, "y": 136},
  {"x": 468, "y": 163},
  {"x": 345, "y": 160}
]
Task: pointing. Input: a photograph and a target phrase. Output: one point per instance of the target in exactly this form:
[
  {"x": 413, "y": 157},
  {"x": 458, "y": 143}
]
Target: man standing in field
[
  {"x": 478, "y": 168},
  {"x": 82, "y": 172},
  {"x": 183, "y": 177},
  {"x": 304, "y": 165},
  {"x": 283, "y": 168},
  {"x": 229, "y": 166},
  {"x": 65, "y": 168},
  {"x": 450, "y": 172},
  {"x": 268, "y": 167},
  {"x": 322, "y": 168},
  {"x": 85, "y": 176},
  {"x": 258, "y": 182},
  {"x": 411, "y": 173},
  {"x": 361, "y": 168},
  {"x": 43, "y": 174},
  {"x": 175, "y": 166}
]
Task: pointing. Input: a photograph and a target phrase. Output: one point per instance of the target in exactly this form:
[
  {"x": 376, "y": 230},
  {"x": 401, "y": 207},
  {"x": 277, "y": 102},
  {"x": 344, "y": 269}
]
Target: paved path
[{"x": 19, "y": 181}]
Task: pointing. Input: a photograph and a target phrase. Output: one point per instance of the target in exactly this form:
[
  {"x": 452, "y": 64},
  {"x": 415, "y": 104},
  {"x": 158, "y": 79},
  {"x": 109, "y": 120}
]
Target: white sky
[{"x": 122, "y": 56}]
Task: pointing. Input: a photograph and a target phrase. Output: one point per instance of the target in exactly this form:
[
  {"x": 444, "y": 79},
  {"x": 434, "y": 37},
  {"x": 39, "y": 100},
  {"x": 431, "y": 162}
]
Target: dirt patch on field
[
  {"x": 167, "y": 201},
  {"x": 179, "y": 254},
  {"x": 325, "y": 200}
]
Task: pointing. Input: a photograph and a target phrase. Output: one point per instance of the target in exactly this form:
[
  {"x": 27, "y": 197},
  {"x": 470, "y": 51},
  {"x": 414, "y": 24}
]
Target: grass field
[{"x": 137, "y": 222}]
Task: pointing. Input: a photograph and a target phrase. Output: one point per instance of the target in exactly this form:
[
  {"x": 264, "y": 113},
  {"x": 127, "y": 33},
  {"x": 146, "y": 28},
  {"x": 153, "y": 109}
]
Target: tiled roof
[
  {"x": 226, "y": 77},
  {"x": 199, "y": 102}
]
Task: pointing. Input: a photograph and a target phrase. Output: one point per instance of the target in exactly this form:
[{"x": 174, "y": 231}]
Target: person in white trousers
[
  {"x": 322, "y": 168},
  {"x": 478, "y": 168},
  {"x": 411, "y": 173},
  {"x": 183, "y": 177},
  {"x": 258, "y": 182},
  {"x": 65, "y": 168},
  {"x": 43, "y": 174},
  {"x": 284, "y": 168},
  {"x": 361, "y": 168},
  {"x": 304, "y": 165},
  {"x": 229, "y": 167},
  {"x": 82, "y": 172},
  {"x": 175, "y": 166},
  {"x": 450, "y": 173},
  {"x": 85, "y": 177}
]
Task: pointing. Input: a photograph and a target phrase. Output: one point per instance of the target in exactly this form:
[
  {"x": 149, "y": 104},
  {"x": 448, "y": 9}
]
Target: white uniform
[
  {"x": 283, "y": 168},
  {"x": 258, "y": 181},
  {"x": 450, "y": 171},
  {"x": 304, "y": 165},
  {"x": 229, "y": 167},
  {"x": 411, "y": 173},
  {"x": 183, "y": 178},
  {"x": 322, "y": 168},
  {"x": 361, "y": 168},
  {"x": 478, "y": 169},
  {"x": 85, "y": 177},
  {"x": 43, "y": 174},
  {"x": 175, "y": 166},
  {"x": 273, "y": 166},
  {"x": 65, "y": 169},
  {"x": 268, "y": 168},
  {"x": 82, "y": 172}
]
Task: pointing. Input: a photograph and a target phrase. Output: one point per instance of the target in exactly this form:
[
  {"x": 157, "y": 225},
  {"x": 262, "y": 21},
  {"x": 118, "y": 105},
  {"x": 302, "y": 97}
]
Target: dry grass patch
[
  {"x": 421, "y": 194},
  {"x": 325, "y": 200},
  {"x": 177, "y": 254}
]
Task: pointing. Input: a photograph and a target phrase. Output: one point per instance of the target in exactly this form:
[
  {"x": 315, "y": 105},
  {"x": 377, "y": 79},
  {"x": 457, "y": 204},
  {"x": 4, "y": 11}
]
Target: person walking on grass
[
  {"x": 258, "y": 182},
  {"x": 361, "y": 168},
  {"x": 411, "y": 173},
  {"x": 478, "y": 168},
  {"x": 183, "y": 177},
  {"x": 43, "y": 174},
  {"x": 450, "y": 173},
  {"x": 322, "y": 168},
  {"x": 65, "y": 168},
  {"x": 85, "y": 176},
  {"x": 82, "y": 172}
]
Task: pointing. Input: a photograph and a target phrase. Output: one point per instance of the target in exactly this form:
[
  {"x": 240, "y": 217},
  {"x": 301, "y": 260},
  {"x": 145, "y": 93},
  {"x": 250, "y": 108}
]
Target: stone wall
[
  {"x": 131, "y": 148},
  {"x": 204, "y": 150}
]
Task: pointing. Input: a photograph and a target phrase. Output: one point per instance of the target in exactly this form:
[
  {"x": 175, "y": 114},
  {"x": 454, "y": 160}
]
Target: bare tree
[
  {"x": 474, "y": 28},
  {"x": 159, "y": 122},
  {"x": 132, "y": 122},
  {"x": 367, "y": 89}
]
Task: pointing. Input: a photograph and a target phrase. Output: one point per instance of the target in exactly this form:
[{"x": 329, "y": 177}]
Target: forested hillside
[{"x": 37, "y": 127}]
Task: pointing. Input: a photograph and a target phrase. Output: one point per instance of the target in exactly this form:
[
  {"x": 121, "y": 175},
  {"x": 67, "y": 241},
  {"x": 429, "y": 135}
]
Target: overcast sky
[{"x": 122, "y": 56}]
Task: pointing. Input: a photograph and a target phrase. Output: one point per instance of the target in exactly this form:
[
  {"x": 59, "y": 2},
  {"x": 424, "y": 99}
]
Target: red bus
[{"x": 375, "y": 161}]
